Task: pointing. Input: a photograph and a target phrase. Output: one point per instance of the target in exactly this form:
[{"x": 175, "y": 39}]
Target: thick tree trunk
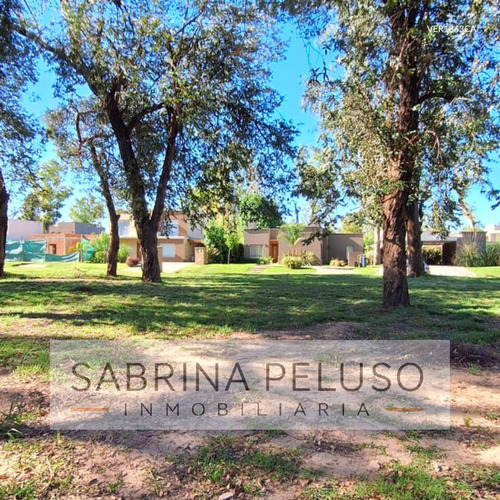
[
  {"x": 394, "y": 254},
  {"x": 377, "y": 246},
  {"x": 414, "y": 233},
  {"x": 146, "y": 223},
  {"x": 151, "y": 272},
  {"x": 4, "y": 220}
]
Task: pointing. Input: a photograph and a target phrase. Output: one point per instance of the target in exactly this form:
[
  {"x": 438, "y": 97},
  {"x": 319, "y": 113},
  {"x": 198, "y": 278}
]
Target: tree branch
[{"x": 146, "y": 111}]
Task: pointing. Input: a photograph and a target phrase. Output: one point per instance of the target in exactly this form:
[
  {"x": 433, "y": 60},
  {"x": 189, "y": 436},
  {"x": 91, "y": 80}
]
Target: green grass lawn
[
  {"x": 74, "y": 300},
  {"x": 487, "y": 272}
]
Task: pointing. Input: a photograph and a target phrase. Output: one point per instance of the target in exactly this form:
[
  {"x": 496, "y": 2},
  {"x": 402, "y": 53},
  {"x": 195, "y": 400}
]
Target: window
[
  {"x": 124, "y": 228},
  {"x": 255, "y": 251},
  {"x": 170, "y": 228},
  {"x": 168, "y": 251}
]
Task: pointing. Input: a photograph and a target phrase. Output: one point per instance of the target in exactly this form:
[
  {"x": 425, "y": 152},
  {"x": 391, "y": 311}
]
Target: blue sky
[{"x": 288, "y": 77}]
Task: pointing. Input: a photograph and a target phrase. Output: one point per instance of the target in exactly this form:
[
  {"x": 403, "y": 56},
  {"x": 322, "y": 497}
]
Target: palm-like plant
[{"x": 292, "y": 233}]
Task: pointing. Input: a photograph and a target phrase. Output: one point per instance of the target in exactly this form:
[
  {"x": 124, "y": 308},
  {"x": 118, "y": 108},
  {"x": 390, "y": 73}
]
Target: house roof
[{"x": 430, "y": 237}]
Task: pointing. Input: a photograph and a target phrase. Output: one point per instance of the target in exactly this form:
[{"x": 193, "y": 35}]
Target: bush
[
  {"x": 123, "y": 253},
  {"x": 264, "y": 260},
  {"x": 292, "y": 262},
  {"x": 132, "y": 261},
  {"x": 470, "y": 256},
  {"x": 310, "y": 259},
  {"x": 99, "y": 257},
  {"x": 338, "y": 263},
  {"x": 492, "y": 256},
  {"x": 432, "y": 254}
]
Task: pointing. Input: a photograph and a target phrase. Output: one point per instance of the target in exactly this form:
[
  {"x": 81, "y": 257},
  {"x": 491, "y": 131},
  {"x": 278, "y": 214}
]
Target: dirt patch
[
  {"x": 134, "y": 464},
  {"x": 325, "y": 331},
  {"x": 475, "y": 354}
]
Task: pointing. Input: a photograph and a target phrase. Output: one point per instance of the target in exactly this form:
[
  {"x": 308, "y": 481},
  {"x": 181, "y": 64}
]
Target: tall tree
[
  {"x": 46, "y": 195},
  {"x": 88, "y": 210},
  {"x": 412, "y": 78},
  {"x": 85, "y": 141},
  {"x": 18, "y": 130},
  {"x": 180, "y": 82},
  {"x": 257, "y": 208}
]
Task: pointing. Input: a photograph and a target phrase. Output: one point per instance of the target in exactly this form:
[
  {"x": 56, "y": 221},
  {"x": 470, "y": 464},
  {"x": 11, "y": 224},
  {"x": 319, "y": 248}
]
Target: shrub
[
  {"x": 99, "y": 257},
  {"x": 470, "y": 256},
  {"x": 123, "y": 253},
  {"x": 338, "y": 263},
  {"x": 264, "y": 260},
  {"x": 292, "y": 262},
  {"x": 132, "y": 261},
  {"x": 310, "y": 259},
  {"x": 492, "y": 256},
  {"x": 432, "y": 254}
]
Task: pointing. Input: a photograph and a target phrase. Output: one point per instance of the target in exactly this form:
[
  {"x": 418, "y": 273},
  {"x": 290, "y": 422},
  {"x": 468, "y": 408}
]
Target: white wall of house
[{"x": 21, "y": 229}]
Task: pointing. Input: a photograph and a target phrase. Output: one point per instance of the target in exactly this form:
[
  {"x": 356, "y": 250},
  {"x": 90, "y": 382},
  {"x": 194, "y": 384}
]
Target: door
[{"x": 273, "y": 251}]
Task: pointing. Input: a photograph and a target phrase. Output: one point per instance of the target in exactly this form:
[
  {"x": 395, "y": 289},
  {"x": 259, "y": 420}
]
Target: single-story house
[
  {"x": 61, "y": 243},
  {"x": 63, "y": 238},
  {"x": 269, "y": 243},
  {"x": 177, "y": 237}
]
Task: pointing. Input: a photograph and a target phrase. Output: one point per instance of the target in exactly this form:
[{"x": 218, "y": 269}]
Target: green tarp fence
[{"x": 34, "y": 251}]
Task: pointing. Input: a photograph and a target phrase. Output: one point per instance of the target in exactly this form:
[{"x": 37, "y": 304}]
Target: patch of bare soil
[
  {"x": 134, "y": 464},
  {"x": 340, "y": 330}
]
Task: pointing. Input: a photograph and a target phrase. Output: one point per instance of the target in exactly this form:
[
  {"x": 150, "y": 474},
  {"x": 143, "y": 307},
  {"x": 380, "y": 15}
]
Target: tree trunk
[
  {"x": 114, "y": 244},
  {"x": 146, "y": 223},
  {"x": 4, "y": 220},
  {"x": 377, "y": 246},
  {"x": 414, "y": 235},
  {"x": 151, "y": 272},
  {"x": 114, "y": 240},
  {"x": 394, "y": 254}
]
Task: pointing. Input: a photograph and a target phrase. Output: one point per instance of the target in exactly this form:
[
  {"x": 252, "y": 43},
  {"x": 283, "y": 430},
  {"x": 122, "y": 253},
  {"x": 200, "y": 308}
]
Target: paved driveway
[
  {"x": 451, "y": 271},
  {"x": 457, "y": 271}
]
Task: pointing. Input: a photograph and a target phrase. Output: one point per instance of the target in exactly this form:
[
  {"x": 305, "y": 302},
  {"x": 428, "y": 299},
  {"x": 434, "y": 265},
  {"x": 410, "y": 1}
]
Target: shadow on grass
[{"x": 182, "y": 305}]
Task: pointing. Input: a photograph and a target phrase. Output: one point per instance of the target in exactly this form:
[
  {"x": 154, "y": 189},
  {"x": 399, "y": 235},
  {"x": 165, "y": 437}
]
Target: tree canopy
[
  {"x": 257, "y": 208},
  {"x": 182, "y": 85},
  {"x": 88, "y": 209},
  {"x": 409, "y": 114}
]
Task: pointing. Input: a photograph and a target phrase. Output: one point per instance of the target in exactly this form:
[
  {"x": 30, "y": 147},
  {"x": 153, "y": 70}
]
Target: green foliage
[
  {"x": 182, "y": 88},
  {"x": 292, "y": 233},
  {"x": 351, "y": 224},
  {"x": 292, "y": 262},
  {"x": 263, "y": 261},
  {"x": 100, "y": 244},
  {"x": 123, "y": 253},
  {"x": 46, "y": 195},
  {"x": 469, "y": 256},
  {"x": 87, "y": 210},
  {"x": 338, "y": 263},
  {"x": 432, "y": 254},
  {"x": 257, "y": 208},
  {"x": 215, "y": 241},
  {"x": 492, "y": 256},
  {"x": 224, "y": 240},
  {"x": 310, "y": 259},
  {"x": 318, "y": 183}
]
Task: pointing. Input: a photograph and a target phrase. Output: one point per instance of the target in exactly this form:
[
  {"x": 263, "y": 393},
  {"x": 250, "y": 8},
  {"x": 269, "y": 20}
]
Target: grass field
[
  {"x": 43, "y": 301},
  {"x": 68, "y": 300}
]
